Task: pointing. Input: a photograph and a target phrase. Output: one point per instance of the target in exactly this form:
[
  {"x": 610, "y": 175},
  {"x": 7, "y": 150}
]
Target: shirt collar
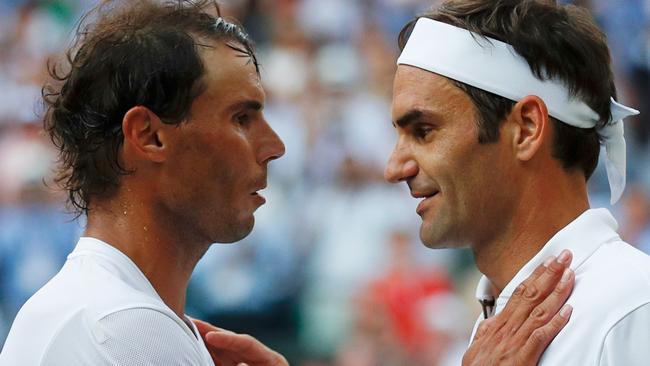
[
  {"x": 583, "y": 236},
  {"x": 123, "y": 265}
]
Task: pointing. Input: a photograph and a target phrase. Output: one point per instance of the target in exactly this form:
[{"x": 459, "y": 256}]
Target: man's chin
[
  {"x": 434, "y": 240},
  {"x": 236, "y": 232}
]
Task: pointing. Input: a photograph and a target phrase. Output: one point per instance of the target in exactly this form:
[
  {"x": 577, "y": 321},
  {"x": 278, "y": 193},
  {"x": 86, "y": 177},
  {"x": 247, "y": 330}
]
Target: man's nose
[
  {"x": 272, "y": 148},
  {"x": 401, "y": 166}
]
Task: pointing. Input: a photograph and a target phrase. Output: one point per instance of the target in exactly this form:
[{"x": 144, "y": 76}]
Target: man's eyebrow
[
  {"x": 247, "y": 105},
  {"x": 411, "y": 117}
]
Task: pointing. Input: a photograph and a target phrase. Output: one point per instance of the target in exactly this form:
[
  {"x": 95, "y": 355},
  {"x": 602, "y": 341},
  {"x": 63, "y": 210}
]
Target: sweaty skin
[{"x": 193, "y": 184}]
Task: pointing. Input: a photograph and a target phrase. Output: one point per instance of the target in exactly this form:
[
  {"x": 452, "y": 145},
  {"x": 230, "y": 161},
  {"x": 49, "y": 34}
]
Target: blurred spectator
[
  {"x": 635, "y": 222},
  {"x": 408, "y": 315}
]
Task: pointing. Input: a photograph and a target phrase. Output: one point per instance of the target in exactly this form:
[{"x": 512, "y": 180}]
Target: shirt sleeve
[
  {"x": 627, "y": 343},
  {"x": 134, "y": 337}
]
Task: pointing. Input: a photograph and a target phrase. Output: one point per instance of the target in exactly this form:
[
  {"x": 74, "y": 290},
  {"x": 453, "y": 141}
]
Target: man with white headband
[{"x": 501, "y": 108}]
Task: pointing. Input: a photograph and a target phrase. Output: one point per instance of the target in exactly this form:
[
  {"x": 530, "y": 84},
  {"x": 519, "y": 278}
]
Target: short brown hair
[
  {"x": 560, "y": 42},
  {"x": 127, "y": 54}
]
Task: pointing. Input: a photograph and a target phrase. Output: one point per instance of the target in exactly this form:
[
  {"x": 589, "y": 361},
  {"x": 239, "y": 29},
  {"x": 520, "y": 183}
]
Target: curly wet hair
[{"x": 126, "y": 54}]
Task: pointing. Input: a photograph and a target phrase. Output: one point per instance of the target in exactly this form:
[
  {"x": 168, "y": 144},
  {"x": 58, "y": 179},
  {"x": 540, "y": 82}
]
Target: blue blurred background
[{"x": 333, "y": 273}]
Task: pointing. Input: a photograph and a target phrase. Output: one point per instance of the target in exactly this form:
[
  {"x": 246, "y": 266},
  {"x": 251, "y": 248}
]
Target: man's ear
[
  {"x": 143, "y": 132},
  {"x": 531, "y": 127}
]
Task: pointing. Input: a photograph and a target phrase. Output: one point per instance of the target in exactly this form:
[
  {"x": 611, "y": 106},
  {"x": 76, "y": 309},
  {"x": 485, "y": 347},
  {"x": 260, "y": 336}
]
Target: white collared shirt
[
  {"x": 610, "y": 323},
  {"x": 100, "y": 309}
]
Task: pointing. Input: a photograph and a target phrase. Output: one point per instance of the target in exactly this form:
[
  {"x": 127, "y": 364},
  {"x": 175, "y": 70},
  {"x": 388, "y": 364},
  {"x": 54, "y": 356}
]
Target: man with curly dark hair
[{"x": 164, "y": 148}]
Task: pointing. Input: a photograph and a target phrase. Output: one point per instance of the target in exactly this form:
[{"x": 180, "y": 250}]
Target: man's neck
[
  {"x": 166, "y": 258},
  {"x": 540, "y": 215}
]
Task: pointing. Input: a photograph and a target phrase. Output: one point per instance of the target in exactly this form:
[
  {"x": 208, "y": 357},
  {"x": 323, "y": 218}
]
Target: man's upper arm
[
  {"x": 136, "y": 337},
  {"x": 628, "y": 342}
]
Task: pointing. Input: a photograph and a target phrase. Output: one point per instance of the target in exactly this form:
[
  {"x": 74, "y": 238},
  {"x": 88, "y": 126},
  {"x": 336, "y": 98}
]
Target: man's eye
[
  {"x": 421, "y": 132},
  {"x": 243, "y": 118}
]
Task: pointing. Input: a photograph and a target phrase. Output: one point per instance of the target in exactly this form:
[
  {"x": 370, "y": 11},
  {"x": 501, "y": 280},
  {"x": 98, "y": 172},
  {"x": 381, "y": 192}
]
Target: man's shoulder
[
  {"x": 135, "y": 332},
  {"x": 144, "y": 334},
  {"x": 73, "y": 305},
  {"x": 620, "y": 267},
  {"x": 625, "y": 252},
  {"x": 612, "y": 284},
  {"x": 616, "y": 273},
  {"x": 85, "y": 287}
]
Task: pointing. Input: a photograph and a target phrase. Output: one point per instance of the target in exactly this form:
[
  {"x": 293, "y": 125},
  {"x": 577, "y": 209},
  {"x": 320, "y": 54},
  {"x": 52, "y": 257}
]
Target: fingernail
[
  {"x": 566, "y": 310},
  {"x": 566, "y": 275},
  {"x": 564, "y": 257},
  {"x": 548, "y": 261}
]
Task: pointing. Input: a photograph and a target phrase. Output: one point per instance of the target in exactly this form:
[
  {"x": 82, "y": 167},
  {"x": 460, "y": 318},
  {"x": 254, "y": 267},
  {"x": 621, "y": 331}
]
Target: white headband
[{"x": 494, "y": 66}]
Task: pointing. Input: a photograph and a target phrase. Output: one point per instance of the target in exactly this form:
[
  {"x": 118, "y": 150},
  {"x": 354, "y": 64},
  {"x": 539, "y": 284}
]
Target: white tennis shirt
[
  {"x": 100, "y": 310},
  {"x": 610, "y": 323}
]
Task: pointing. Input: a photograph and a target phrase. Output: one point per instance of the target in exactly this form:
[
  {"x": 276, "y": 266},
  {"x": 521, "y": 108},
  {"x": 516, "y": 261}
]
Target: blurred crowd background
[{"x": 333, "y": 273}]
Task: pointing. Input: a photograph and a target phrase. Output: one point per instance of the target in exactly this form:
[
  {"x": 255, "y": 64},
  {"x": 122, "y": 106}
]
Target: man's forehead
[
  {"x": 230, "y": 80},
  {"x": 221, "y": 61},
  {"x": 226, "y": 69},
  {"x": 417, "y": 89},
  {"x": 413, "y": 78}
]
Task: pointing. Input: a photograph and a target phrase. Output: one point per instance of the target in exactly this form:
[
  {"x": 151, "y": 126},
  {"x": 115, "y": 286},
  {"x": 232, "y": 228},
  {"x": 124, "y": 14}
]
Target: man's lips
[
  {"x": 423, "y": 194},
  {"x": 258, "y": 196},
  {"x": 426, "y": 202}
]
